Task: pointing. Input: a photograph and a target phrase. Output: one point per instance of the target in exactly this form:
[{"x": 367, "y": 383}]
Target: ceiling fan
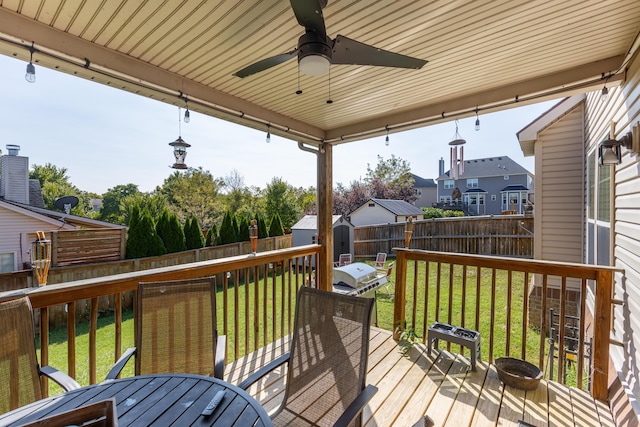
[{"x": 316, "y": 51}]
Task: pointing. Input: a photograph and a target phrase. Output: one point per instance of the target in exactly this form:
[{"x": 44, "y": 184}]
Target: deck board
[{"x": 439, "y": 384}]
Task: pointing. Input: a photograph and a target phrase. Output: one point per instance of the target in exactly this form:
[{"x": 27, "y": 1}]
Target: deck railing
[
  {"x": 491, "y": 295},
  {"x": 256, "y": 300}
]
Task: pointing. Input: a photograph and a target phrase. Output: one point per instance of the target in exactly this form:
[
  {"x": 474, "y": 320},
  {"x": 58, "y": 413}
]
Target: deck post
[
  {"x": 601, "y": 334},
  {"x": 399, "y": 293},
  {"x": 324, "y": 264}
]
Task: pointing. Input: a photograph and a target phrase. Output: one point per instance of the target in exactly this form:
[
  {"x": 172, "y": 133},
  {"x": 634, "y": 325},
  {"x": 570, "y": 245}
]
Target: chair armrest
[
  {"x": 64, "y": 380},
  {"x": 117, "y": 368},
  {"x": 264, "y": 371},
  {"x": 356, "y": 406},
  {"x": 218, "y": 363}
]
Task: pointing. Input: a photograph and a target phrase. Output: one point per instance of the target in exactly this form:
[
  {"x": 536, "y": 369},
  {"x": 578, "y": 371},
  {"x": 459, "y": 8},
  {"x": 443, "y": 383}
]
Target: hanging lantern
[
  {"x": 41, "y": 258},
  {"x": 179, "y": 152}
]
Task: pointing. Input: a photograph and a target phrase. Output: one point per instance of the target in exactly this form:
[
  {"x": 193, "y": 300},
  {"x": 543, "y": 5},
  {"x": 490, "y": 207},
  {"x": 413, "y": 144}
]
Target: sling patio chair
[
  {"x": 381, "y": 258},
  {"x": 343, "y": 259},
  {"x": 175, "y": 329},
  {"x": 327, "y": 363},
  {"x": 19, "y": 369}
]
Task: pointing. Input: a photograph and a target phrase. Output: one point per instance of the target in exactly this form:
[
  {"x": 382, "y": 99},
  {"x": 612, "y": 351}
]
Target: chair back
[
  {"x": 328, "y": 362},
  {"x": 344, "y": 259},
  {"x": 19, "y": 376},
  {"x": 381, "y": 258},
  {"x": 176, "y": 327}
]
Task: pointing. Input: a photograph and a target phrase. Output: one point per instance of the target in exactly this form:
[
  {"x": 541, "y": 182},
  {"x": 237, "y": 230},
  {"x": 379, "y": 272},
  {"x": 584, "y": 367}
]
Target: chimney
[
  {"x": 441, "y": 167},
  {"x": 14, "y": 176}
]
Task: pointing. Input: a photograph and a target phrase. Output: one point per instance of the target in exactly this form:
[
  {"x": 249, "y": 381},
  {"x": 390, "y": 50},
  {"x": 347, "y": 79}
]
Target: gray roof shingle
[
  {"x": 398, "y": 207},
  {"x": 489, "y": 166}
]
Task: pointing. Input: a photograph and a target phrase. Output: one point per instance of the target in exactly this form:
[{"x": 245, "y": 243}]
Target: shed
[
  {"x": 304, "y": 232},
  {"x": 384, "y": 211}
]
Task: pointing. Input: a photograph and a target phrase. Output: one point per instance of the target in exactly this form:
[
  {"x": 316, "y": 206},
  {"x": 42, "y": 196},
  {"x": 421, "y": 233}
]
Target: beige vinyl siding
[
  {"x": 623, "y": 107},
  {"x": 12, "y": 226},
  {"x": 560, "y": 189}
]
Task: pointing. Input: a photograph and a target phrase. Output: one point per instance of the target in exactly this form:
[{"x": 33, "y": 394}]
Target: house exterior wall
[
  {"x": 559, "y": 208},
  {"x": 623, "y": 107},
  {"x": 371, "y": 213},
  {"x": 12, "y": 226},
  {"x": 427, "y": 196}
]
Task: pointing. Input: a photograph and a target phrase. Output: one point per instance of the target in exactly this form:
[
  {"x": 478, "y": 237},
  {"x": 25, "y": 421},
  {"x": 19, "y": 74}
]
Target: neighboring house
[
  {"x": 426, "y": 191},
  {"x": 592, "y": 212},
  {"x": 492, "y": 185},
  {"x": 381, "y": 211},
  {"x": 22, "y": 212},
  {"x": 305, "y": 232}
]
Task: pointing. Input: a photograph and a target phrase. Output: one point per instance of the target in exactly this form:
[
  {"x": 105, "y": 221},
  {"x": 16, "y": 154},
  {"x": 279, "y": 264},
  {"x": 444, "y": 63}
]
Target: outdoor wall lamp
[
  {"x": 41, "y": 257},
  {"x": 610, "y": 150},
  {"x": 30, "y": 76}
]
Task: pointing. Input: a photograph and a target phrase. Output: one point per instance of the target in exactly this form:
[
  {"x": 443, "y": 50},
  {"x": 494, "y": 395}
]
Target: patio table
[{"x": 162, "y": 399}]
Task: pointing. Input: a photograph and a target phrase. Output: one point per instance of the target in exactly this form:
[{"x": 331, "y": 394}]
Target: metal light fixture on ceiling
[
  {"x": 477, "y": 126},
  {"x": 268, "y": 133},
  {"x": 30, "y": 76},
  {"x": 187, "y": 115},
  {"x": 179, "y": 148},
  {"x": 386, "y": 141}
]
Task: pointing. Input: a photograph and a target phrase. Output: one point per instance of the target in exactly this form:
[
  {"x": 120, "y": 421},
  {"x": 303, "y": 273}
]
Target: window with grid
[{"x": 448, "y": 184}]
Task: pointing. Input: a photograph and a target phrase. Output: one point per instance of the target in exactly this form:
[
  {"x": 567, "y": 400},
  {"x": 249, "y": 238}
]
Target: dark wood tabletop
[{"x": 163, "y": 400}]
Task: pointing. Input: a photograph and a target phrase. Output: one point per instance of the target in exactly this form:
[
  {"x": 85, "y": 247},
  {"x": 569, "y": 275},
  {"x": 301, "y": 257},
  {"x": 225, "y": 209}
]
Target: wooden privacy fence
[{"x": 510, "y": 235}]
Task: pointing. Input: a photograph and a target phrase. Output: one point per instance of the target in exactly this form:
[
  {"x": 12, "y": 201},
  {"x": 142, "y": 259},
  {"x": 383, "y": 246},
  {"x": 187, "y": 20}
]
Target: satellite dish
[{"x": 66, "y": 203}]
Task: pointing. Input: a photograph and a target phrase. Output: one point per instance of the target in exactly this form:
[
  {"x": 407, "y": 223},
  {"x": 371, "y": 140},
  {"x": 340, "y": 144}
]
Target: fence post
[
  {"x": 601, "y": 334},
  {"x": 399, "y": 293}
]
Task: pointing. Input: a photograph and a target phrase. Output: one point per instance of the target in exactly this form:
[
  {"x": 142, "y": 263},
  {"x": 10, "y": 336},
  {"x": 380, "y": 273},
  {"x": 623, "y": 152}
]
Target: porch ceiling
[{"x": 483, "y": 54}]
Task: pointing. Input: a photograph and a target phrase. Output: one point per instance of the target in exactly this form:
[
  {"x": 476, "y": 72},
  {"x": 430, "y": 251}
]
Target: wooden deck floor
[{"x": 442, "y": 386}]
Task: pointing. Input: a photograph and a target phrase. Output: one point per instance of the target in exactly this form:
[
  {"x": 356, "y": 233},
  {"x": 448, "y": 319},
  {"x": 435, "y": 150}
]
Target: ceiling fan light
[{"x": 314, "y": 65}]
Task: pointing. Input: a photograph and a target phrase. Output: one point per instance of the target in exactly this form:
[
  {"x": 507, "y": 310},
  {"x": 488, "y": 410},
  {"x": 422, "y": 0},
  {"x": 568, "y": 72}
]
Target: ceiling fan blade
[
  {"x": 265, "y": 64},
  {"x": 309, "y": 15},
  {"x": 352, "y": 52}
]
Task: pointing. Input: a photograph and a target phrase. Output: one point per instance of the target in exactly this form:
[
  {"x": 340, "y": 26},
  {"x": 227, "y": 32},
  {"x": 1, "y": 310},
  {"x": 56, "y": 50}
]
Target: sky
[{"x": 106, "y": 137}]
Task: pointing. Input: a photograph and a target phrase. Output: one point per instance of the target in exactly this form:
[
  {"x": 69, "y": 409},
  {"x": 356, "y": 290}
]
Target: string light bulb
[
  {"x": 268, "y": 133},
  {"x": 30, "y": 76},
  {"x": 477, "y": 126},
  {"x": 604, "y": 95},
  {"x": 386, "y": 141},
  {"x": 187, "y": 115}
]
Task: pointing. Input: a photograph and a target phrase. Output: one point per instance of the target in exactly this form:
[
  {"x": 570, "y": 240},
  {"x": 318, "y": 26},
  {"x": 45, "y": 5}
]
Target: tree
[
  {"x": 227, "y": 234},
  {"x": 394, "y": 172},
  {"x": 194, "y": 192},
  {"x": 275, "y": 228},
  {"x": 172, "y": 235},
  {"x": 55, "y": 183},
  {"x": 280, "y": 198},
  {"x": 142, "y": 240},
  {"x": 154, "y": 203},
  {"x": 263, "y": 231},
  {"x": 212, "y": 236},
  {"x": 193, "y": 234},
  {"x": 112, "y": 209},
  {"x": 243, "y": 229},
  {"x": 236, "y": 228}
]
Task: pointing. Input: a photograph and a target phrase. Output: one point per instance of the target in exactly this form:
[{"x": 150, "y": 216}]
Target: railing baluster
[
  {"x": 561, "y": 330},
  {"x": 256, "y": 308},
  {"x": 247, "y": 330},
  {"x": 236, "y": 316},
  {"x": 508, "y": 312},
  {"x": 492, "y": 314},
  {"x": 450, "y": 302},
  {"x": 427, "y": 282},
  {"x": 225, "y": 314},
  {"x": 265, "y": 283},
  {"x": 414, "y": 310},
  {"x": 117, "y": 316},
  {"x": 438, "y": 280},
  {"x": 93, "y": 328},
  {"x": 602, "y": 334},
  {"x": 543, "y": 320},
  {"x": 273, "y": 305},
  {"x": 525, "y": 313},
  {"x": 44, "y": 347},
  {"x": 580, "y": 367},
  {"x": 400, "y": 294},
  {"x": 478, "y": 277},
  {"x": 71, "y": 339}
]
